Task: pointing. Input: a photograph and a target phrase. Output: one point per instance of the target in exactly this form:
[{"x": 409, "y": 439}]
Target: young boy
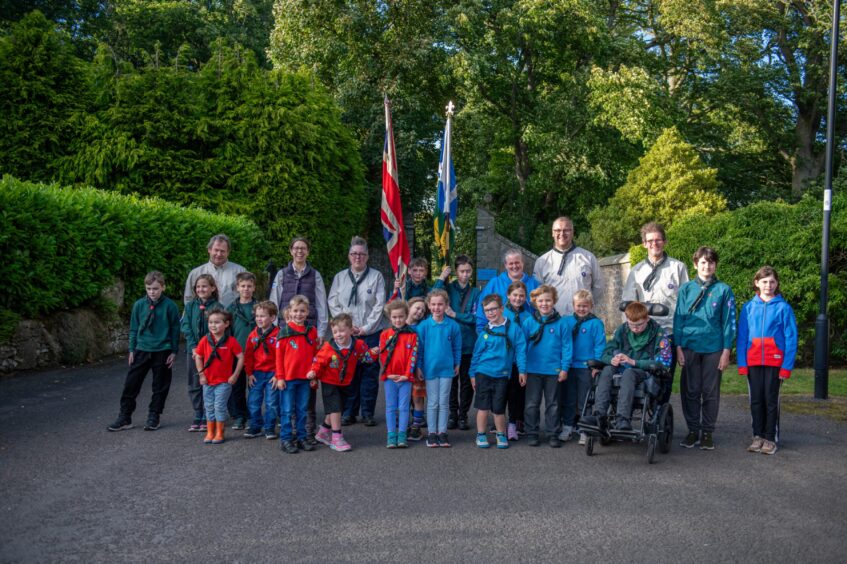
[
  {"x": 463, "y": 305},
  {"x": 333, "y": 367},
  {"x": 260, "y": 367},
  {"x": 243, "y": 322},
  {"x": 398, "y": 357},
  {"x": 439, "y": 357},
  {"x": 153, "y": 344},
  {"x": 636, "y": 344},
  {"x": 417, "y": 312},
  {"x": 296, "y": 346},
  {"x": 215, "y": 356},
  {"x": 500, "y": 345},
  {"x": 589, "y": 342}
]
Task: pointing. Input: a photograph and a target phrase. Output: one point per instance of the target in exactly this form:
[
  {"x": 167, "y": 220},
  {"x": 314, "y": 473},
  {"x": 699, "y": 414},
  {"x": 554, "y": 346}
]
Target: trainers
[
  {"x": 482, "y": 440},
  {"x": 195, "y": 427},
  {"x": 583, "y": 438},
  {"x": 339, "y": 443},
  {"x": 502, "y": 441},
  {"x": 239, "y": 424},
  {"x": 520, "y": 426},
  {"x": 401, "y": 440},
  {"x": 415, "y": 433},
  {"x": 768, "y": 447},
  {"x": 348, "y": 420},
  {"x": 554, "y": 441},
  {"x": 152, "y": 422},
  {"x": 463, "y": 424},
  {"x": 452, "y": 423},
  {"x": 691, "y": 440},
  {"x": 432, "y": 440},
  {"x": 369, "y": 421},
  {"x": 305, "y": 446},
  {"x": 512, "y": 432},
  {"x": 252, "y": 433},
  {"x": 533, "y": 441},
  {"x": 203, "y": 427},
  {"x": 443, "y": 441},
  {"x": 270, "y": 435},
  {"x": 566, "y": 433},
  {"x": 324, "y": 436},
  {"x": 288, "y": 447},
  {"x": 707, "y": 442},
  {"x": 623, "y": 425},
  {"x": 391, "y": 442},
  {"x": 756, "y": 445},
  {"x": 120, "y": 424},
  {"x": 310, "y": 438}
]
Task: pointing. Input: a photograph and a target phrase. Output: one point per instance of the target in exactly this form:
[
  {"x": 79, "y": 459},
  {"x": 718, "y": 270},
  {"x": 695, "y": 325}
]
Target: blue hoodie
[
  {"x": 439, "y": 347},
  {"x": 767, "y": 335},
  {"x": 497, "y": 349},
  {"x": 554, "y": 351},
  {"x": 499, "y": 285}
]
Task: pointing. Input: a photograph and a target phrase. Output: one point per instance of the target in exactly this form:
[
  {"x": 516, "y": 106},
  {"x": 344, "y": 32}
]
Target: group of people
[{"x": 439, "y": 349}]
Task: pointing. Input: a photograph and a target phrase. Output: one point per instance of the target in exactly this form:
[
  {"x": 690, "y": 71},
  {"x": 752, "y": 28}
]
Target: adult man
[
  {"x": 514, "y": 272},
  {"x": 223, "y": 271},
  {"x": 657, "y": 278},
  {"x": 568, "y": 268},
  {"x": 360, "y": 291}
]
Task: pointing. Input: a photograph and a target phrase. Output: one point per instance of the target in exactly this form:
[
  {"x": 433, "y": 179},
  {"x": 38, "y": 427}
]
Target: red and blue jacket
[{"x": 767, "y": 335}]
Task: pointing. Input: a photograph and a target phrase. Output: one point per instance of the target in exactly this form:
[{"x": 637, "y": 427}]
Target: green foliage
[
  {"x": 786, "y": 237},
  {"x": 8, "y": 323},
  {"x": 669, "y": 184},
  {"x": 232, "y": 138},
  {"x": 63, "y": 246}
]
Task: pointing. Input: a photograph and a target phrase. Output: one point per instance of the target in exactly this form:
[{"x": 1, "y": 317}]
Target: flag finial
[{"x": 450, "y": 108}]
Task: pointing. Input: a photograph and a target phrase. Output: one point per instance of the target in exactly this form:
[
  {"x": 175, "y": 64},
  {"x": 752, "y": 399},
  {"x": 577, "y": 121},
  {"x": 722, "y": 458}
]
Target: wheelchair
[{"x": 652, "y": 413}]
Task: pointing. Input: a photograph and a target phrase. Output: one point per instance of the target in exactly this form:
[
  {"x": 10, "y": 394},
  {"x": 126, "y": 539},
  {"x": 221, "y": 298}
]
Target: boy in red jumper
[
  {"x": 260, "y": 367},
  {"x": 334, "y": 366},
  {"x": 398, "y": 347},
  {"x": 295, "y": 349},
  {"x": 214, "y": 358}
]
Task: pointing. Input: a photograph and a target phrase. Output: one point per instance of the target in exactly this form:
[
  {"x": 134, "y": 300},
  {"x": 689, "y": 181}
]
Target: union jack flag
[{"x": 391, "y": 212}]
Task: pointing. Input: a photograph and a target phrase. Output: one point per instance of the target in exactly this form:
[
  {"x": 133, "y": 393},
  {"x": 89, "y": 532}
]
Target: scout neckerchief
[
  {"x": 580, "y": 321},
  {"x": 535, "y": 338},
  {"x": 505, "y": 334},
  {"x": 263, "y": 339},
  {"x": 151, "y": 315},
  {"x": 239, "y": 313},
  {"x": 516, "y": 311},
  {"x": 215, "y": 354},
  {"x": 354, "y": 292},
  {"x": 651, "y": 278},
  {"x": 391, "y": 344},
  {"x": 344, "y": 358},
  {"x": 289, "y": 331},
  {"x": 703, "y": 287},
  {"x": 565, "y": 254},
  {"x": 202, "y": 325}
]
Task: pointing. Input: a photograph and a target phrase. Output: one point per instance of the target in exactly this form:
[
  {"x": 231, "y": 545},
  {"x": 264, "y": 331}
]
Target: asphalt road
[{"x": 71, "y": 491}]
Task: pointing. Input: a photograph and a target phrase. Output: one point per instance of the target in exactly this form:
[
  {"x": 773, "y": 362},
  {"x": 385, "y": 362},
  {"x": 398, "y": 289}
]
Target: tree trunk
[{"x": 807, "y": 162}]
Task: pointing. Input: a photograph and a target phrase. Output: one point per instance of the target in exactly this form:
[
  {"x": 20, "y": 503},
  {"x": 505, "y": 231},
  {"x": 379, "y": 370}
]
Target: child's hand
[
  {"x": 251, "y": 380},
  {"x": 401, "y": 378},
  {"x": 522, "y": 379},
  {"x": 233, "y": 379},
  {"x": 473, "y": 383},
  {"x": 445, "y": 273},
  {"x": 280, "y": 384},
  {"x": 169, "y": 362},
  {"x": 397, "y": 283},
  {"x": 680, "y": 356},
  {"x": 419, "y": 375},
  {"x": 562, "y": 375},
  {"x": 594, "y": 372},
  {"x": 203, "y": 380},
  {"x": 311, "y": 375},
  {"x": 449, "y": 312},
  {"x": 131, "y": 357},
  {"x": 455, "y": 371},
  {"x": 374, "y": 352}
]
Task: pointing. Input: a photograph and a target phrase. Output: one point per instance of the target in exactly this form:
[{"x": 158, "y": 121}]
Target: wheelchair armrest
[{"x": 596, "y": 364}]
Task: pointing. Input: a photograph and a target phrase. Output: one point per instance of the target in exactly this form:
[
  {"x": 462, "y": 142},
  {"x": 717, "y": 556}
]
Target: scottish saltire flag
[
  {"x": 446, "y": 201},
  {"x": 391, "y": 212}
]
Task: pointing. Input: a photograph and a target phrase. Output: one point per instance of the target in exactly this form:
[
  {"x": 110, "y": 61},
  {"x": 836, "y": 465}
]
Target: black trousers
[
  {"x": 141, "y": 364},
  {"x": 237, "y": 402},
  {"x": 764, "y": 384},
  {"x": 461, "y": 391},
  {"x": 515, "y": 397},
  {"x": 700, "y": 388}
]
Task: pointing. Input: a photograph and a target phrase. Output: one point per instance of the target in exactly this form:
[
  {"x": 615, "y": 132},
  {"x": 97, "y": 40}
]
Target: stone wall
[{"x": 615, "y": 270}]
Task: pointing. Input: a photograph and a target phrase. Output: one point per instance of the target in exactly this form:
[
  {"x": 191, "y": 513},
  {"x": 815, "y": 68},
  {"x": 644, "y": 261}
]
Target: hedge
[
  {"x": 785, "y": 236},
  {"x": 62, "y": 246}
]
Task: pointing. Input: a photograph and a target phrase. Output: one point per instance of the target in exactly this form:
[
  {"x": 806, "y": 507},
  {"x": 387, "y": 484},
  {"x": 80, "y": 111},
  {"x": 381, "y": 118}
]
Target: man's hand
[{"x": 449, "y": 312}]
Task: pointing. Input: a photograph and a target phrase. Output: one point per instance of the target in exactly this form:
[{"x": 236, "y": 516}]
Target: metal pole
[{"x": 822, "y": 321}]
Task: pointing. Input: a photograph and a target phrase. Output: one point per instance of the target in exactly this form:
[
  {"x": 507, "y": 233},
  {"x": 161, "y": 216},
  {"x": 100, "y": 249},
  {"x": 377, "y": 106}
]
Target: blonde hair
[
  {"x": 297, "y": 300},
  {"x": 438, "y": 293},
  {"x": 583, "y": 296}
]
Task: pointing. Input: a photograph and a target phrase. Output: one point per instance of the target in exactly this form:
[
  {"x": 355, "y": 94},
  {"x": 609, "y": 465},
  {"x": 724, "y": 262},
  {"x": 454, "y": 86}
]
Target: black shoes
[
  {"x": 288, "y": 447},
  {"x": 368, "y": 421},
  {"x": 121, "y": 424},
  {"x": 152, "y": 422}
]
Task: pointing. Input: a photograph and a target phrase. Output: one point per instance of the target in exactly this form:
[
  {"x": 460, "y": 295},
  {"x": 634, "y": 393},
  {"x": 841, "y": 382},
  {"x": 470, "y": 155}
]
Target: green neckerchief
[
  {"x": 288, "y": 331},
  {"x": 239, "y": 312},
  {"x": 638, "y": 341}
]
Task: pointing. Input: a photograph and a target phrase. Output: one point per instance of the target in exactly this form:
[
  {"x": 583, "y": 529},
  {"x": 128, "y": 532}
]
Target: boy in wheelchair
[{"x": 638, "y": 347}]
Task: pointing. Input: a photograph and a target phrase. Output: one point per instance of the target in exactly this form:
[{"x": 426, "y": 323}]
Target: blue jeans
[
  {"x": 397, "y": 397},
  {"x": 364, "y": 388},
  {"x": 438, "y": 403},
  {"x": 294, "y": 400},
  {"x": 215, "y": 399},
  {"x": 263, "y": 393}
]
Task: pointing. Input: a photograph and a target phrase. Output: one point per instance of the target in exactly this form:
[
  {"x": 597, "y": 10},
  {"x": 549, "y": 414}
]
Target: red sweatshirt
[
  {"x": 405, "y": 355},
  {"x": 294, "y": 353},
  {"x": 219, "y": 369},
  {"x": 330, "y": 365},
  {"x": 255, "y": 357}
]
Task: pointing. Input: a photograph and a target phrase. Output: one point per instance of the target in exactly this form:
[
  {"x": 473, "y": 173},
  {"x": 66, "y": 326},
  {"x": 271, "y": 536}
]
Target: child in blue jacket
[{"x": 589, "y": 342}]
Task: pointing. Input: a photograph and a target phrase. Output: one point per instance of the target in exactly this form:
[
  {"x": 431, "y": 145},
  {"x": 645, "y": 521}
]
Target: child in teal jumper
[
  {"x": 195, "y": 326},
  {"x": 243, "y": 323}
]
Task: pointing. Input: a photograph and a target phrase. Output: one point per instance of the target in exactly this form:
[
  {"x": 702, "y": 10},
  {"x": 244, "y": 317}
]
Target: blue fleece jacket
[
  {"x": 497, "y": 349},
  {"x": 466, "y": 318},
  {"x": 588, "y": 342},
  {"x": 554, "y": 351},
  {"x": 439, "y": 347},
  {"x": 499, "y": 285}
]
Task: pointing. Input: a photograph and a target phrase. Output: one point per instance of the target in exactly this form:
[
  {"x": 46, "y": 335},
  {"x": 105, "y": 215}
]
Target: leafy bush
[
  {"x": 63, "y": 246},
  {"x": 786, "y": 237}
]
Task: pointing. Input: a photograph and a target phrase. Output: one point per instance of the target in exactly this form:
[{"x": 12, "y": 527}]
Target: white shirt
[
  {"x": 581, "y": 272},
  {"x": 665, "y": 289},
  {"x": 367, "y": 312},
  {"x": 224, "y": 279}
]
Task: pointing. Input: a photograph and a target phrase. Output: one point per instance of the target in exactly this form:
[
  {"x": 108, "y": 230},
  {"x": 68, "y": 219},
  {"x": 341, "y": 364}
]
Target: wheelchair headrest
[{"x": 654, "y": 310}]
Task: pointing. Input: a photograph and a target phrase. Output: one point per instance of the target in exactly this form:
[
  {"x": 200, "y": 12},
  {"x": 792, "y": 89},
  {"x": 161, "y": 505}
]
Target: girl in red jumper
[{"x": 398, "y": 356}]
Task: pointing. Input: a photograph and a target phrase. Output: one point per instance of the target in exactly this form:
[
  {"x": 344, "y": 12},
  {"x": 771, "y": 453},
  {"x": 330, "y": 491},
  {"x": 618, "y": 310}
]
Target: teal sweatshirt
[
  {"x": 156, "y": 328},
  {"x": 710, "y": 326},
  {"x": 243, "y": 320},
  {"x": 195, "y": 322}
]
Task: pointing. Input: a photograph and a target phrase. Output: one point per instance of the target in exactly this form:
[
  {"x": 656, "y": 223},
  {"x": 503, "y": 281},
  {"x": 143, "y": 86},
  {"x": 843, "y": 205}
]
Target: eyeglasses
[
  {"x": 491, "y": 309},
  {"x": 358, "y": 255}
]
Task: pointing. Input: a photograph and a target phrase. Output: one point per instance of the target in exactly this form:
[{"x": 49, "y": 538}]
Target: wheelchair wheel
[
  {"x": 589, "y": 446},
  {"x": 665, "y": 428},
  {"x": 651, "y": 449}
]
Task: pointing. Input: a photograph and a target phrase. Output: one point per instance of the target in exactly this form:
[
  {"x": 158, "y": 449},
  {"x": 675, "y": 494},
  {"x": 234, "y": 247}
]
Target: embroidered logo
[
  {"x": 485, "y": 336},
  {"x": 671, "y": 286},
  {"x": 333, "y": 362},
  {"x": 292, "y": 343},
  {"x": 584, "y": 274}
]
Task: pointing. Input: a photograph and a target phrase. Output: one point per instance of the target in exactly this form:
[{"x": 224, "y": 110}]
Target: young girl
[
  {"x": 516, "y": 312},
  {"x": 767, "y": 345},
  {"x": 548, "y": 359},
  {"x": 589, "y": 341},
  {"x": 398, "y": 357},
  {"x": 214, "y": 358},
  {"x": 194, "y": 325},
  {"x": 439, "y": 357},
  {"x": 417, "y": 311}
]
